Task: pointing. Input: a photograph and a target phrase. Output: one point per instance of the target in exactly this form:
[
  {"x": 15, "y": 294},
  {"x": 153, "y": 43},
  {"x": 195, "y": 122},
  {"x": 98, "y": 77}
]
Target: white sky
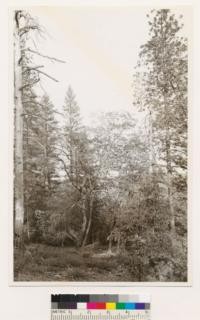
[{"x": 100, "y": 46}]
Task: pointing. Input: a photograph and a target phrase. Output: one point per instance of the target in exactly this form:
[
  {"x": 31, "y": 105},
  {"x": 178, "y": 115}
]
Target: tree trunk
[
  {"x": 89, "y": 223},
  {"x": 169, "y": 172},
  {"x": 110, "y": 243},
  {"x": 84, "y": 223},
  {"x": 18, "y": 147},
  {"x": 118, "y": 243},
  {"x": 150, "y": 144},
  {"x": 167, "y": 133},
  {"x": 169, "y": 187}
]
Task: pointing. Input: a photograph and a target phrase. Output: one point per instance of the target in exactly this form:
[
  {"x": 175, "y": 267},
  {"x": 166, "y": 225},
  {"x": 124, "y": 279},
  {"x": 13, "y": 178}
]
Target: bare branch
[
  {"x": 33, "y": 102},
  {"x": 38, "y": 142},
  {"x": 26, "y": 29},
  {"x": 32, "y": 68},
  {"x": 44, "y": 56},
  {"x": 69, "y": 176},
  {"x": 60, "y": 113},
  {"x": 65, "y": 153},
  {"x": 29, "y": 84},
  {"x": 47, "y": 75}
]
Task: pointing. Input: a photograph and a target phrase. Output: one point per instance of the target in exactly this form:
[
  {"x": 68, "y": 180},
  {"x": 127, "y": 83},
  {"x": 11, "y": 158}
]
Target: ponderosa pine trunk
[
  {"x": 18, "y": 146},
  {"x": 165, "y": 91},
  {"x": 169, "y": 185},
  {"x": 150, "y": 144},
  {"x": 169, "y": 169}
]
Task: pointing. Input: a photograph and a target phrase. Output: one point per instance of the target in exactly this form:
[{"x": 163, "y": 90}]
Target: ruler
[{"x": 63, "y": 314}]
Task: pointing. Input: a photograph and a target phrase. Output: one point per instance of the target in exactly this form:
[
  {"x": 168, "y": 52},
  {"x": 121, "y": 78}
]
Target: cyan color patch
[{"x": 130, "y": 306}]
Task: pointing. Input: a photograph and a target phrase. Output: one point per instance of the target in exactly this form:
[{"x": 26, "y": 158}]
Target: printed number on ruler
[{"x": 65, "y": 314}]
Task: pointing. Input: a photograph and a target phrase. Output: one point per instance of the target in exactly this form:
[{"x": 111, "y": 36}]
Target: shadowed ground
[{"x": 46, "y": 263}]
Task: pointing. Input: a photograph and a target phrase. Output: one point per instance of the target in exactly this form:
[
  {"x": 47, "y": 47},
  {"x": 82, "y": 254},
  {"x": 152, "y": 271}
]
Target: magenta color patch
[{"x": 91, "y": 305}]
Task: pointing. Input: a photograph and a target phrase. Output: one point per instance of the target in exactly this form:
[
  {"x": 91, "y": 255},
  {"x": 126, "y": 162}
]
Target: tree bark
[
  {"x": 169, "y": 187},
  {"x": 89, "y": 222},
  {"x": 18, "y": 146},
  {"x": 169, "y": 171},
  {"x": 84, "y": 223},
  {"x": 150, "y": 143},
  {"x": 167, "y": 134}
]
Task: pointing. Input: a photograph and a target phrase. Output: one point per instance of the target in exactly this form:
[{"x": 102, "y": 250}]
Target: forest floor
[{"x": 40, "y": 262}]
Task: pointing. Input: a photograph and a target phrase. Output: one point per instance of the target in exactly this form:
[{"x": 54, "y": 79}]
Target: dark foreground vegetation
[{"x": 39, "y": 262}]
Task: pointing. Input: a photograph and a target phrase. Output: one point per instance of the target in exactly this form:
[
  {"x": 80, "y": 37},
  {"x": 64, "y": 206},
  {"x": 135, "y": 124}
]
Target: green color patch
[{"x": 120, "y": 306}]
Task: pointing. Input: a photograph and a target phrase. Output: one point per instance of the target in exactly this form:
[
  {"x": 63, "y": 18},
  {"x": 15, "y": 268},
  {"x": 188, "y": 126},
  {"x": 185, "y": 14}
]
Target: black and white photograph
[{"x": 100, "y": 148}]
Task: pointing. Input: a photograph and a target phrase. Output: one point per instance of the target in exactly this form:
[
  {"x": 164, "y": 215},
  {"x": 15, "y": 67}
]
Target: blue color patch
[{"x": 130, "y": 306}]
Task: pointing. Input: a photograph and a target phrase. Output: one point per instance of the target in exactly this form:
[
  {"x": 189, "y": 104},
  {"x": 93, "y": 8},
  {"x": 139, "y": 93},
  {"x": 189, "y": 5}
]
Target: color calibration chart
[{"x": 100, "y": 307}]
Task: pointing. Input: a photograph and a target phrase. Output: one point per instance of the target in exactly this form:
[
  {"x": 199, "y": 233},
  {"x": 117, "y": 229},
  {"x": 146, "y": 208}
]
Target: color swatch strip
[{"x": 81, "y": 302}]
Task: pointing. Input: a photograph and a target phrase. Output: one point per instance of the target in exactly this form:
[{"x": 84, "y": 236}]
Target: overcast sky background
[{"x": 100, "y": 46}]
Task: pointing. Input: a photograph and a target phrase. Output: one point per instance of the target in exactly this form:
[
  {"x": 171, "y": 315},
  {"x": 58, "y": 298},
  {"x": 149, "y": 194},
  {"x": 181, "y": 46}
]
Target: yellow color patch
[{"x": 110, "y": 306}]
